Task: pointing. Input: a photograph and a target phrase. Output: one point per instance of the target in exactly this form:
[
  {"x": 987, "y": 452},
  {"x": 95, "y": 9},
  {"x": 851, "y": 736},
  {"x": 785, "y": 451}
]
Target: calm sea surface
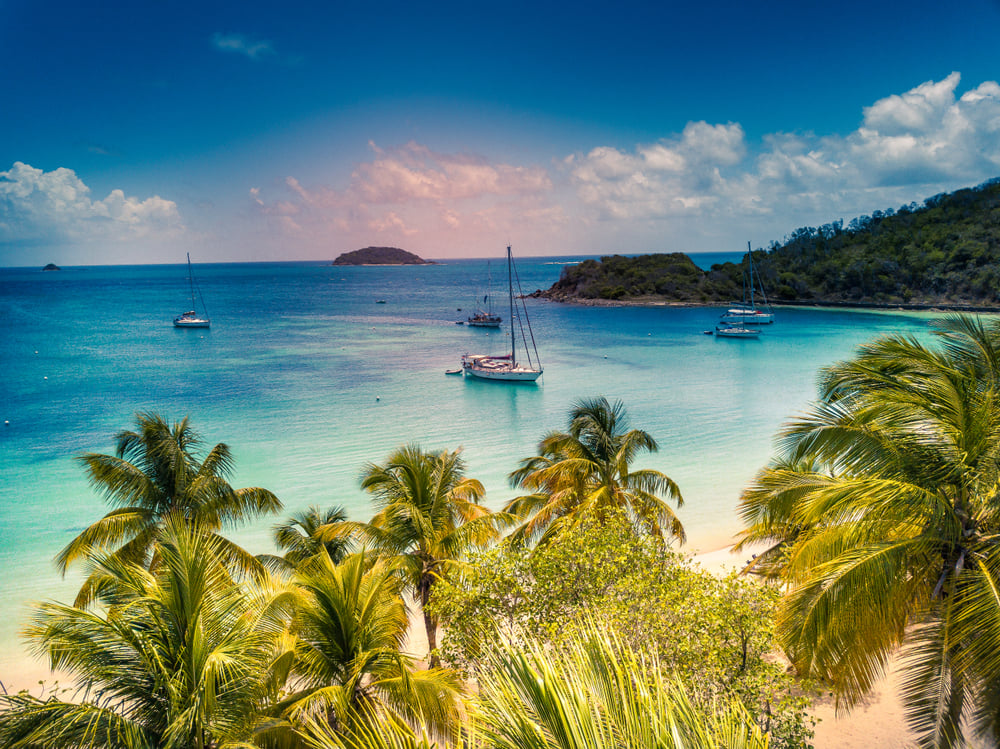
[{"x": 307, "y": 379}]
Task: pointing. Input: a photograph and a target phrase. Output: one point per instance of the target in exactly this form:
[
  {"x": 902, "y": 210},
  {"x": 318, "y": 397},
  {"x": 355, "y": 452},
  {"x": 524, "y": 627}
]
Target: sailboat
[
  {"x": 736, "y": 329},
  {"x": 505, "y": 367},
  {"x": 190, "y": 319},
  {"x": 747, "y": 312},
  {"x": 485, "y": 318}
]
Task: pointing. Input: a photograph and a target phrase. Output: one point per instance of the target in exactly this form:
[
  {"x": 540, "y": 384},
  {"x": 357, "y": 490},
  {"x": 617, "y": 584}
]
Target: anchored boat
[
  {"x": 506, "y": 367},
  {"x": 191, "y": 319}
]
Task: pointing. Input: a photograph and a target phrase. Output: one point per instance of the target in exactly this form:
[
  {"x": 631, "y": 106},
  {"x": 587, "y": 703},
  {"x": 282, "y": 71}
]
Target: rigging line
[
  {"x": 531, "y": 333},
  {"x": 204, "y": 308}
]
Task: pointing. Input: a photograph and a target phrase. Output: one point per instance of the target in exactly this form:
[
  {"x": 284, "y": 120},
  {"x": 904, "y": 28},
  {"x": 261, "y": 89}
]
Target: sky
[{"x": 253, "y": 131}]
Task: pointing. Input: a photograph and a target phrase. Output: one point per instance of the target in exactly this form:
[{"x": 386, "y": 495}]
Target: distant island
[
  {"x": 944, "y": 253},
  {"x": 51, "y": 266},
  {"x": 380, "y": 256}
]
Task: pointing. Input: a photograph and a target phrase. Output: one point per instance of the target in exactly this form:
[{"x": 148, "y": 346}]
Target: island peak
[{"x": 380, "y": 256}]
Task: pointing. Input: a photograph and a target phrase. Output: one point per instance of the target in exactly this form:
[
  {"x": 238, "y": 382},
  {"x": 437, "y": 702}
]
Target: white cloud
[
  {"x": 920, "y": 109},
  {"x": 716, "y": 144},
  {"x": 47, "y": 206},
  {"x": 695, "y": 186},
  {"x": 671, "y": 177},
  {"x": 255, "y": 49},
  {"x": 909, "y": 146}
]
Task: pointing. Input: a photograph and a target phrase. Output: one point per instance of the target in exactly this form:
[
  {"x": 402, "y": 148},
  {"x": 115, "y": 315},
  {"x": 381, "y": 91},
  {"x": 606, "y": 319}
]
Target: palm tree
[
  {"x": 304, "y": 535},
  {"x": 593, "y": 694},
  {"x": 588, "y": 470},
  {"x": 429, "y": 516},
  {"x": 768, "y": 509},
  {"x": 182, "y": 657},
  {"x": 153, "y": 474},
  {"x": 888, "y": 508},
  {"x": 351, "y": 622}
]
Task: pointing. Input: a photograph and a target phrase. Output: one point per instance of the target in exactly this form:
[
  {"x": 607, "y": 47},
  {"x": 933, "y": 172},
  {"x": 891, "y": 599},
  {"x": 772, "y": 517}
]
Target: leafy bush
[{"x": 716, "y": 635}]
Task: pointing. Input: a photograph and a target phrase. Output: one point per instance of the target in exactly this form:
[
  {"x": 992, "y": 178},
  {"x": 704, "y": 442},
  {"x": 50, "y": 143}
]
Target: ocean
[{"x": 308, "y": 378}]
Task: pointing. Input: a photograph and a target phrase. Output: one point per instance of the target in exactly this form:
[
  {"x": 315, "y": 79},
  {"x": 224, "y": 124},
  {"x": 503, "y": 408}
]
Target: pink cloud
[{"x": 413, "y": 195}]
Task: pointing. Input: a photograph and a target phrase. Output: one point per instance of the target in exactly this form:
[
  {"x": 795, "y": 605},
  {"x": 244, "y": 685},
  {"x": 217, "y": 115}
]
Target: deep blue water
[{"x": 307, "y": 379}]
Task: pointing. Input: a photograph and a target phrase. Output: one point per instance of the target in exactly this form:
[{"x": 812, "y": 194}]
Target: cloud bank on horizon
[
  {"x": 704, "y": 188},
  {"x": 908, "y": 147},
  {"x": 38, "y": 207}
]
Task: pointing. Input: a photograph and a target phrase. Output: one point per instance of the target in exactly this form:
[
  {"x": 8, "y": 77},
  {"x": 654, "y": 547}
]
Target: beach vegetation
[
  {"x": 178, "y": 657},
  {"x": 349, "y": 626},
  {"x": 429, "y": 516},
  {"x": 603, "y": 623},
  {"x": 156, "y": 473},
  {"x": 305, "y": 534},
  {"x": 587, "y": 471},
  {"x": 883, "y": 517},
  {"x": 943, "y": 252},
  {"x": 593, "y": 692},
  {"x": 715, "y": 635}
]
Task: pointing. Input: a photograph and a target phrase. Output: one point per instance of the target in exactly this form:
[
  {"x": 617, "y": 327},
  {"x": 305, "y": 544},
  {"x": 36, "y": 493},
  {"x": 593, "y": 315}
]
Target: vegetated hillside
[
  {"x": 672, "y": 277},
  {"x": 380, "y": 256},
  {"x": 946, "y": 251}
]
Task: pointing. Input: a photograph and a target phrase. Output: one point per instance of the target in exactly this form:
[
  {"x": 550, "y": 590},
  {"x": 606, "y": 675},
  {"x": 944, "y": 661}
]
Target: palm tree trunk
[{"x": 430, "y": 622}]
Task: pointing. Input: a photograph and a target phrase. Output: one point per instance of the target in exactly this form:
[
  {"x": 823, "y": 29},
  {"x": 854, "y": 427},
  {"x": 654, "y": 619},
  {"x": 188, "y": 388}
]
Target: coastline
[{"x": 819, "y": 305}]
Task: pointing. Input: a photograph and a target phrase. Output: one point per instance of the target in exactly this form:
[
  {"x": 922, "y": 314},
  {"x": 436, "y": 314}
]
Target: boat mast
[
  {"x": 489, "y": 289},
  {"x": 750, "y": 255},
  {"x": 510, "y": 291},
  {"x": 191, "y": 280}
]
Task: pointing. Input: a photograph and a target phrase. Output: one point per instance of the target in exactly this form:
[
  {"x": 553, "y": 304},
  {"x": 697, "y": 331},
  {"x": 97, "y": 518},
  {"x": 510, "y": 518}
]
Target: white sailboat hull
[
  {"x": 498, "y": 368},
  {"x": 191, "y": 320},
  {"x": 748, "y": 317},
  {"x": 514, "y": 374},
  {"x": 484, "y": 322},
  {"x": 504, "y": 367},
  {"x": 737, "y": 332}
]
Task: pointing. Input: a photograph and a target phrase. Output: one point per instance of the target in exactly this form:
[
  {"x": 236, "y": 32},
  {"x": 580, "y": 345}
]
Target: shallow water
[{"x": 308, "y": 378}]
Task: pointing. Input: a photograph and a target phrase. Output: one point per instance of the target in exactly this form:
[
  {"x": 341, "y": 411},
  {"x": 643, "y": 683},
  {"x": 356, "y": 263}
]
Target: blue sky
[{"x": 135, "y": 132}]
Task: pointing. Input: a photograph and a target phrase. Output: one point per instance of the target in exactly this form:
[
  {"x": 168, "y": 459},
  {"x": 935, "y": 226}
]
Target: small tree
[
  {"x": 715, "y": 634},
  {"x": 588, "y": 470},
  {"x": 154, "y": 474}
]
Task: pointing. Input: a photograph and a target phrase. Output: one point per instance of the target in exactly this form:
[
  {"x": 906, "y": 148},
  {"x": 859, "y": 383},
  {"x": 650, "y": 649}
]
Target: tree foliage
[
  {"x": 594, "y": 692},
  {"x": 306, "y": 534},
  {"x": 884, "y": 515},
  {"x": 350, "y": 624},
  {"x": 588, "y": 471},
  {"x": 154, "y": 474},
  {"x": 946, "y": 251},
  {"x": 179, "y": 658},
  {"x": 714, "y": 634}
]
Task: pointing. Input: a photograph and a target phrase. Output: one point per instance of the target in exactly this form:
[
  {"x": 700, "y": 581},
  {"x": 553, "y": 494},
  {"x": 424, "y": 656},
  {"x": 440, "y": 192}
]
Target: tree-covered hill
[
  {"x": 944, "y": 252},
  {"x": 380, "y": 256},
  {"x": 672, "y": 277}
]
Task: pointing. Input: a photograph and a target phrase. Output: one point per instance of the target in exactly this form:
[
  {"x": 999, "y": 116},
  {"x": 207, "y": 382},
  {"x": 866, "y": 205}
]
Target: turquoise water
[{"x": 307, "y": 379}]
